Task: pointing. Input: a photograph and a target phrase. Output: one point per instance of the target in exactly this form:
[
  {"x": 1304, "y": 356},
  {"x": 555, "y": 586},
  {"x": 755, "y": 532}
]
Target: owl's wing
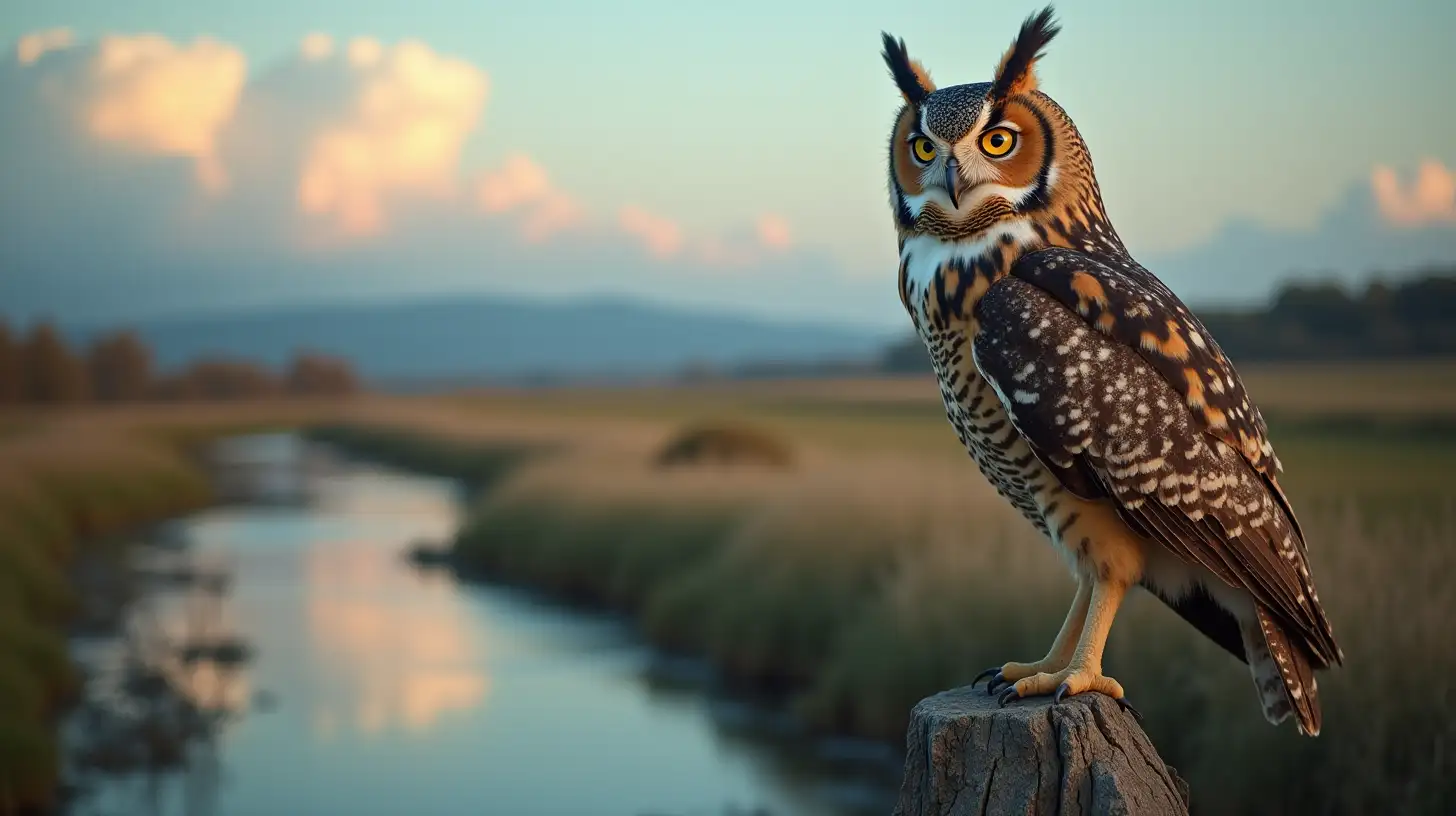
[
  {"x": 1126, "y": 302},
  {"x": 1109, "y": 423}
]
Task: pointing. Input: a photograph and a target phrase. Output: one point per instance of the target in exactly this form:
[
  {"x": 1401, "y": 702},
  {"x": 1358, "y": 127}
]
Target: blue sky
[{"x": 759, "y": 126}]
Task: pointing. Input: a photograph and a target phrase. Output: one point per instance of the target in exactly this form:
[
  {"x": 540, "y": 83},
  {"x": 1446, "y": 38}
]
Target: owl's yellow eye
[
  {"x": 997, "y": 142},
  {"x": 923, "y": 148}
]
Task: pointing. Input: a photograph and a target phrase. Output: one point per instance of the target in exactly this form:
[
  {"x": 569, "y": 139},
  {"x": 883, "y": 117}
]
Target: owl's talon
[
  {"x": 997, "y": 683},
  {"x": 992, "y": 672},
  {"x": 1066, "y": 683},
  {"x": 1126, "y": 706},
  {"x": 1008, "y": 695},
  {"x": 1122, "y": 702}
]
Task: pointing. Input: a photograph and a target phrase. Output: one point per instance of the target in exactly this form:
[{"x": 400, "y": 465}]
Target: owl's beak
[{"x": 953, "y": 182}]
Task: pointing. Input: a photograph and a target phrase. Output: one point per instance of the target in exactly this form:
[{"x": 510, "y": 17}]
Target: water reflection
[
  {"x": 403, "y": 665},
  {"x": 391, "y": 691}
]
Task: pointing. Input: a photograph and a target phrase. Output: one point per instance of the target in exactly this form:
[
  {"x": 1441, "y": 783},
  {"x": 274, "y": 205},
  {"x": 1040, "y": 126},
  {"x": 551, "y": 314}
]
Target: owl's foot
[
  {"x": 1012, "y": 672},
  {"x": 1069, "y": 681}
]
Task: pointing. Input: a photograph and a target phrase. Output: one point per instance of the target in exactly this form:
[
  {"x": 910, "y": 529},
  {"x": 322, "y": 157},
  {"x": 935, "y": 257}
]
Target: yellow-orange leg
[
  {"x": 1058, "y": 656},
  {"x": 1084, "y": 671}
]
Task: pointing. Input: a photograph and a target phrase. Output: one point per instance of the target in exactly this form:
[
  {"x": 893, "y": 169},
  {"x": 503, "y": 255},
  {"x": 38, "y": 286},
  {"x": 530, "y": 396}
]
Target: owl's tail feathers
[{"x": 1282, "y": 674}]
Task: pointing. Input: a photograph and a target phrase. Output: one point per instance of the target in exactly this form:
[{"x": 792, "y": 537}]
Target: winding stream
[{"x": 376, "y": 688}]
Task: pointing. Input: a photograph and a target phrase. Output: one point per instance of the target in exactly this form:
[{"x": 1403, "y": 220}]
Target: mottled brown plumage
[{"x": 1087, "y": 393}]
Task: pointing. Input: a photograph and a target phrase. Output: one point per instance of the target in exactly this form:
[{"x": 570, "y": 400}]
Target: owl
[{"x": 1087, "y": 393}]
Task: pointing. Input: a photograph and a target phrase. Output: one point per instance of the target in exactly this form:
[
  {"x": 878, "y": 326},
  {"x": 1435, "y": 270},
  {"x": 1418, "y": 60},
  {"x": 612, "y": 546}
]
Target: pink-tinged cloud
[
  {"x": 316, "y": 46},
  {"x": 773, "y": 232},
  {"x": 519, "y": 181},
  {"x": 1430, "y": 200},
  {"x": 35, "y": 45},
  {"x": 769, "y": 235},
  {"x": 365, "y": 52},
  {"x": 161, "y": 97},
  {"x": 400, "y": 131},
  {"x": 521, "y": 185},
  {"x": 554, "y": 213},
  {"x": 661, "y": 236}
]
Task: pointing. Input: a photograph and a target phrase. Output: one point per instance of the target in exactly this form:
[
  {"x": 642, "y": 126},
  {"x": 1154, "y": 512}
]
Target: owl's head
[{"x": 967, "y": 157}]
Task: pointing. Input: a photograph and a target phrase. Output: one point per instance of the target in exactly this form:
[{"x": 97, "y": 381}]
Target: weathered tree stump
[{"x": 966, "y": 755}]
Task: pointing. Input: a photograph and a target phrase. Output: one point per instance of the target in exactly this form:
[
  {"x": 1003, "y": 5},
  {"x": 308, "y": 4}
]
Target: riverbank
[
  {"x": 862, "y": 577},
  {"x": 74, "y": 482},
  {"x": 869, "y": 567}
]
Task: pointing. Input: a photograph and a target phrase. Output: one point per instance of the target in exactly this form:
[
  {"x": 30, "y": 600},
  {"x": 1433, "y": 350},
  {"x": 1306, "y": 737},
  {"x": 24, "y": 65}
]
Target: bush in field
[{"x": 725, "y": 444}]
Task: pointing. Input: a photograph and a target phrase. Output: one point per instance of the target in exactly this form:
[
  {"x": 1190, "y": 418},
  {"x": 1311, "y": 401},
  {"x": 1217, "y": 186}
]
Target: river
[{"x": 373, "y": 687}]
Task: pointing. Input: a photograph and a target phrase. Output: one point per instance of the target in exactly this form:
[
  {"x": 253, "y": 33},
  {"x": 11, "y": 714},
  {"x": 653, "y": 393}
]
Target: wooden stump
[{"x": 966, "y": 755}]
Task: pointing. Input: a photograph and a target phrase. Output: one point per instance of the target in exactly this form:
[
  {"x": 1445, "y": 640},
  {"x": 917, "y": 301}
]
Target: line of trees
[
  {"x": 39, "y": 367},
  {"x": 1314, "y": 321}
]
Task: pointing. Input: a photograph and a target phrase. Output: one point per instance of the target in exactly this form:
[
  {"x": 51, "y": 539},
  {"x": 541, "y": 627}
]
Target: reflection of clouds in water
[
  {"x": 396, "y": 653},
  {"x": 216, "y": 687}
]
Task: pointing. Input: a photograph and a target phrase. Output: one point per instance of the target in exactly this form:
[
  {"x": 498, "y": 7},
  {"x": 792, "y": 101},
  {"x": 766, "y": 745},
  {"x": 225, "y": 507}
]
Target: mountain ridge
[{"x": 494, "y": 337}]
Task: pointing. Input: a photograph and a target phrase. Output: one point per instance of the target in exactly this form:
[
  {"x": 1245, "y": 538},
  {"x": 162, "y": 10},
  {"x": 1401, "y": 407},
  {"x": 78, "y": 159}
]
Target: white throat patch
[{"x": 924, "y": 255}]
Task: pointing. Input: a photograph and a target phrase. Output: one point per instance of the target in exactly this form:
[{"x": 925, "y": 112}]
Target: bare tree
[
  {"x": 11, "y": 371},
  {"x": 53, "y": 375},
  {"x": 121, "y": 368},
  {"x": 321, "y": 375},
  {"x": 220, "y": 379}
]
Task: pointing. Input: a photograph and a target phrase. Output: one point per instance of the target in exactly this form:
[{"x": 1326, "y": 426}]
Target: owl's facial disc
[{"x": 972, "y": 170}]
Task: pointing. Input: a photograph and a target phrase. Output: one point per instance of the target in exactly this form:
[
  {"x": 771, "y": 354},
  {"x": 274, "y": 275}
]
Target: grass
[
  {"x": 881, "y": 569},
  {"x": 72, "y": 479},
  {"x": 877, "y": 569},
  {"x": 477, "y": 465},
  {"x": 47, "y": 505},
  {"x": 68, "y": 481}
]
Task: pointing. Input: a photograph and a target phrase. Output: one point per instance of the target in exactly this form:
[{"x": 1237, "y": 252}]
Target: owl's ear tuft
[
  {"x": 1017, "y": 72},
  {"x": 910, "y": 76}
]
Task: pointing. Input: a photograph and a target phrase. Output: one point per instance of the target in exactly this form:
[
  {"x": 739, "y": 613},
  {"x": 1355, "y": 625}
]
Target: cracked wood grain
[{"x": 966, "y": 756}]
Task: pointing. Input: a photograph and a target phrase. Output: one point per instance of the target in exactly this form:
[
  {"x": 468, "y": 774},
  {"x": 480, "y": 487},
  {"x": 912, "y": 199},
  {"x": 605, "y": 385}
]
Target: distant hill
[
  {"x": 470, "y": 339},
  {"x": 1413, "y": 318}
]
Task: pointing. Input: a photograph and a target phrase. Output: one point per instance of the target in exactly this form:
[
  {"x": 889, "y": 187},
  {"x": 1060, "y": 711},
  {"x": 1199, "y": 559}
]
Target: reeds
[
  {"x": 859, "y": 583},
  {"x": 70, "y": 480}
]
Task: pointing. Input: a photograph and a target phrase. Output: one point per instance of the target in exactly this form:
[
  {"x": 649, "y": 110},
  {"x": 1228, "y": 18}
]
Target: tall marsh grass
[
  {"x": 860, "y": 583},
  {"x": 52, "y": 496},
  {"x": 70, "y": 480}
]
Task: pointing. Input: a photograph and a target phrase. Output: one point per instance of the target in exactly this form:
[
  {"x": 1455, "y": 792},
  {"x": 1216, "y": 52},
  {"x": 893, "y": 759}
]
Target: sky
[{"x": 161, "y": 156}]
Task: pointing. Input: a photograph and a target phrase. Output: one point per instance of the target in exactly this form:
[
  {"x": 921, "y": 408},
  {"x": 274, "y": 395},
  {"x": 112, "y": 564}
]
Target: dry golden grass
[
  {"x": 67, "y": 479},
  {"x": 877, "y": 569},
  {"x": 882, "y": 571}
]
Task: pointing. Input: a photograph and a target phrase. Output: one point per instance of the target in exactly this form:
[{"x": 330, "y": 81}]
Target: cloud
[
  {"x": 407, "y": 113},
  {"x": 1353, "y": 241},
  {"x": 365, "y": 52},
  {"x": 665, "y": 238},
  {"x": 660, "y": 235},
  {"x": 769, "y": 235},
  {"x": 145, "y": 175},
  {"x": 521, "y": 185},
  {"x": 33, "y": 46},
  {"x": 144, "y": 92},
  {"x": 316, "y": 46},
  {"x": 1431, "y": 200},
  {"x": 773, "y": 232}
]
